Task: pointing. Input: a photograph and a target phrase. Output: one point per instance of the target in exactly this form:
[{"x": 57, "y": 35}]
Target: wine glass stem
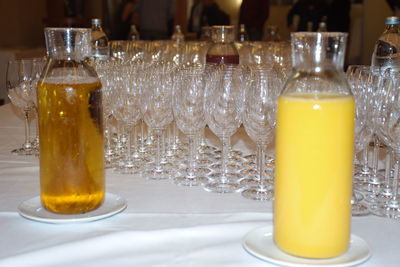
[
  {"x": 158, "y": 134},
  {"x": 396, "y": 179},
  {"x": 224, "y": 157},
  {"x": 365, "y": 160},
  {"x": 192, "y": 152},
  {"x": 260, "y": 164},
  {"x": 27, "y": 126}
]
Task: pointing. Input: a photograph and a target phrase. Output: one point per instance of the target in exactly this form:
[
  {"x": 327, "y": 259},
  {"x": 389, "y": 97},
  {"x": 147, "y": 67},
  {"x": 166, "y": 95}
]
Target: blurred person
[
  {"x": 127, "y": 17},
  {"x": 309, "y": 14},
  {"x": 213, "y": 14},
  {"x": 338, "y": 16},
  {"x": 196, "y": 13},
  {"x": 394, "y": 6},
  {"x": 155, "y": 18},
  {"x": 253, "y": 14}
]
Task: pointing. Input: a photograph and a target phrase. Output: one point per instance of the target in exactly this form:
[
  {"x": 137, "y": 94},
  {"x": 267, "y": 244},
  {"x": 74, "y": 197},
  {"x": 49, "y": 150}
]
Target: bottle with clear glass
[
  {"x": 223, "y": 50},
  {"x": 387, "y": 48},
  {"x": 133, "y": 34},
  {"x": 273, "y": 34},
  {"x": 178, "y": 36},
  {"x": 100, "y": 45},
  {"x": 322, "y": 27},
  {"x": 70, "y": 125},
  {"x": 242, "y": 34},
  {"x": 314, "y": 150}
]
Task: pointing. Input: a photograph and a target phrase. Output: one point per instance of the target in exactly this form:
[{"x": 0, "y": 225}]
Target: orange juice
[{"x": 313, "y": 179}]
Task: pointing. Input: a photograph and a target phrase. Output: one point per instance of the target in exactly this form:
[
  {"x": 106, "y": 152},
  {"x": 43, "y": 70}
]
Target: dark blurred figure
[
  {"x": 253, "y": 14},
  {"x": 339, "y": 16},
  {"x": 155, "y": 18},
  {"x": 196, "y": 13},
  {"x": 213, "y": 14},
  {"x": 395, "y": 6},
  {"x": 126, "y": 17},
  {"x": 309, "y": 12}
]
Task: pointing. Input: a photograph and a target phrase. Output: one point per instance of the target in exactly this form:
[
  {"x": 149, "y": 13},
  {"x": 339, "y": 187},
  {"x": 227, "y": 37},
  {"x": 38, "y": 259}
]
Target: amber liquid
[
  {"x": 71, "y": 145},
  {"x": 222, "y": 59}
]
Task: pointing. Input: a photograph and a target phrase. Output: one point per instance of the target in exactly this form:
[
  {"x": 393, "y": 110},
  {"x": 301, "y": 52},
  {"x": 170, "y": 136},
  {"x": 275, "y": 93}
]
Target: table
[{"x": 163, "y": 225}]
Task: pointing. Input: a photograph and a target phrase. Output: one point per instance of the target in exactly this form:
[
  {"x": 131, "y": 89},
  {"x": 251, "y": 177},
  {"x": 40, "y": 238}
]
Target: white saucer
[
  {"x": 260, "y": 243},
  {"x": 32, "y": 209}
]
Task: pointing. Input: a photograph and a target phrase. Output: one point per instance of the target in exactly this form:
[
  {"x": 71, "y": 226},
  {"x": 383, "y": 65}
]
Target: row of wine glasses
[{"x": 377, "y": 116}]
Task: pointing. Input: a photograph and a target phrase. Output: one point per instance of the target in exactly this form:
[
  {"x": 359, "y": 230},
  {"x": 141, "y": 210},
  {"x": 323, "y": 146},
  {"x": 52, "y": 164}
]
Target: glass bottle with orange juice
[{"x": 314, "y": 150}]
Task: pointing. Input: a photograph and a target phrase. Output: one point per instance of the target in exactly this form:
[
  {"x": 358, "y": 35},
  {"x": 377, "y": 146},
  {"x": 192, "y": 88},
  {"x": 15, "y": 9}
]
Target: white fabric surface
[{"x": 164, "y": 225}]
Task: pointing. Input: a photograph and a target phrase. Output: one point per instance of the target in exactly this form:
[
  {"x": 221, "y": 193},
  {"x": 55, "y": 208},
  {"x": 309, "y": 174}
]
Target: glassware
[
  {"x": 100, "y": 45},
  {"x": 386, "y": 52},
  {"x": 387, "y": 120},
  {"x": 224, "y": 105},
  {"x": 70, "y": 125},
  {"x": 242, "y": 34},
  {"x": 133, "y": 34},
  {"x": 178, "y": 36},
  {"x": 189, "y": 114},
  {"x": 223, "y": 50},
  {"x": 156, "y": 109},
  {"x": 314, "y": 150},
  {"x": 21, "y": 95},
  {"x": 272, "y": 34},
  {"x": 259, "y": 123}
]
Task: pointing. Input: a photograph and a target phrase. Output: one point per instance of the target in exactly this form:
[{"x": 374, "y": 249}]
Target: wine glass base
[
  {"x": 25, "y": 152},
  {"x": 157, "y": 174},
  {"x": 359, "y": 209},
  {"x": 258, "y": 193},
  {"x": 222, "y": 187},
  {"x": 385, "y": 210},
  {"x": 190, "y": 181}
]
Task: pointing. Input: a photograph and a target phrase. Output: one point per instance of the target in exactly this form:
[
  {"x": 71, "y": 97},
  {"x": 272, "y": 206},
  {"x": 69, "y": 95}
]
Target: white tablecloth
[{"x": 164, "y": 225}]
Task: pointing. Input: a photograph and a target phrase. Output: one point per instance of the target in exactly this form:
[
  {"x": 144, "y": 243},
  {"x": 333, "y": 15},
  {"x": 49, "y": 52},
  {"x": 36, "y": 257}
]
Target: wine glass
[
  {"x": 156, "y": 109},
  {"x": 259, "y": 123},
  {"x": 358, "y": 77},
  {"x": 388, "y": 128},
  {"x": 224, "y": 105},
  {"x": 21, "y": 95},
  {"x": 127, "y": 111},
  {"x": 188, "y": 107}
]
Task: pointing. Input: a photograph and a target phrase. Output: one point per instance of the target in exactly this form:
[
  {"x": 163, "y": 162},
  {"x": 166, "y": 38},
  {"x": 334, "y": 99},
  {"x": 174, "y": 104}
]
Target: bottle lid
[
  {"x": 96, "y": 22},
  {"x": 392, "y": 20}
]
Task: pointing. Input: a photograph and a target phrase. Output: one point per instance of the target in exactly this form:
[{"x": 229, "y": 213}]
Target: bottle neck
[{"x": 392, "y": 28}]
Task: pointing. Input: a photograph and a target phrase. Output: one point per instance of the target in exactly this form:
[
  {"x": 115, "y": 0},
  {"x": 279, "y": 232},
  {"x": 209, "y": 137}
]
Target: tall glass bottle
[
  {"x": 223, "y": 50},
  {"x": 178, "y": 36},
  {"x": 133, "y": 34},
  {"x": 70, "y": 125},
  {"x": 387, "y": 48},
  {"x": 242, "y": 34},
  {"x": 100, "y": 45},
  {"x": 314, "y": 150}
]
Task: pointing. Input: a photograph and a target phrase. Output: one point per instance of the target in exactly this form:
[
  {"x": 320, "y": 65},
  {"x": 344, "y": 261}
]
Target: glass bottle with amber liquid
[
  {"x": 223, "y": 50},
  {"x": 70, "y": 125}
]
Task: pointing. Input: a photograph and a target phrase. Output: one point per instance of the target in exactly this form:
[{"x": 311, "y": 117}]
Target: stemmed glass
[
  {"x": 188, "y": 107},
  {"x": 388, "y": 126},
  {"x": 18, "y": 83},
  {"x": 156, "y": 109},
  {"x": 224, "y": 105},
  {"x": 359, "y": 77},
  {"x": 127, "y": 111},
  {"x": 259, "y": 123}
]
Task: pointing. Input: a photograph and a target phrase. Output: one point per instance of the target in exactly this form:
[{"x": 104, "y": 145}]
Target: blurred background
[{"x": 21, "y": 34}]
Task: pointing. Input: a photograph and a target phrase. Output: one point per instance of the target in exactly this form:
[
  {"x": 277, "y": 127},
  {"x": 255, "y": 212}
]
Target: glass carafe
[
  {"x": 70, "y": 125},
  {"x": 222, "y": 50},
  {"x": 314, "y": 150}
]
